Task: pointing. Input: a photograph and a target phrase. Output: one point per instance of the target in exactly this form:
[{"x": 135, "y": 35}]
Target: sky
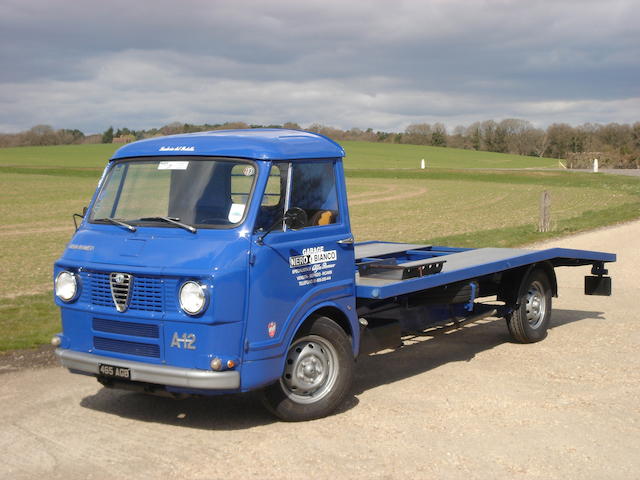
[{"x": 377, "y": 64}]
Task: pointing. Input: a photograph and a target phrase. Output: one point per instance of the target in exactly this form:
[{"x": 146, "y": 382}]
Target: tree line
[{"x": 615, "y": 145}]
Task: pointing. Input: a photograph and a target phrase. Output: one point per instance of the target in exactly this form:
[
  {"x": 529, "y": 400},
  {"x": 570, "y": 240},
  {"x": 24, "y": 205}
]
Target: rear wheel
[
  {"x": 529, "y": 321},
  {"x": 317, "y": 375}
]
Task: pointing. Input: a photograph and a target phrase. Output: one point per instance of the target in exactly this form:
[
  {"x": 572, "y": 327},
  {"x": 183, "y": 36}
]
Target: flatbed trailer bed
[{"x": 457, "y": 264}]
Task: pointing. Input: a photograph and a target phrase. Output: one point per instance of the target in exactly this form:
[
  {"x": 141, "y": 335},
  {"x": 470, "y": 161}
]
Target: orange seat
[{"x": 323, "y": 217}]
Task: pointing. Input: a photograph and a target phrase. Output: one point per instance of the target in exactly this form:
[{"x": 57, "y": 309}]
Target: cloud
[{"x": 377, "y": 64}]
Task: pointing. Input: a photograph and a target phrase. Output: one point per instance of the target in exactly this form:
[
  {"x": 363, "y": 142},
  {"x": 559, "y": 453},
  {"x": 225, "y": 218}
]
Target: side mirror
[
  {"x": 77, "y": 215},
  {"x": 295, "y": 218}
]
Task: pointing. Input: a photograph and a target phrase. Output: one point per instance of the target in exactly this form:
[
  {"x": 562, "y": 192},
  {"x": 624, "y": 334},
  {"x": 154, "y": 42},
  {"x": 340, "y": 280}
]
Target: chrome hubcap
[
  {"x": 310, "y": 371},
  {"x": 536, "y": 305}
]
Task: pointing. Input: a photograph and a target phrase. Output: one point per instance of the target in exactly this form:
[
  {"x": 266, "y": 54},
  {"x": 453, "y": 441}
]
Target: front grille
[
  {"x": 133, "y": 329},
  {"x": 146, "y": 292},
  {"x": 130, "y": 348},
  {"x": 120, "y": 284}
]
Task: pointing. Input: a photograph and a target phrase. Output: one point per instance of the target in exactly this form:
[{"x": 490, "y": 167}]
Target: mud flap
[{"x": 599, "y": 285}]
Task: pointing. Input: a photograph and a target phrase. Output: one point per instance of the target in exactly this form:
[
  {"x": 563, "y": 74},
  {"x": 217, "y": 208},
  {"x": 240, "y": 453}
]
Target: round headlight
[
  {"x": 66, "y": 286},
  {"x": 193, "y": 297}
]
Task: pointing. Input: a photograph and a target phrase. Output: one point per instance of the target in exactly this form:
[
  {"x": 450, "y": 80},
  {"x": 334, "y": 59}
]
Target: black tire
[
  {"x": 318, "y": 374},
  {"x": 529, "y": 321}
]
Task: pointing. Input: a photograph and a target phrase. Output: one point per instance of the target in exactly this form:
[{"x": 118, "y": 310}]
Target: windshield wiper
[
  {"x": 131, "y": 228},
  {"x": 175, "y": 221}
]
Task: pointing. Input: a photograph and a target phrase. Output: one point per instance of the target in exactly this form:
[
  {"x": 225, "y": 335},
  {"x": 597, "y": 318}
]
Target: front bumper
[{"x": 158, "y": 374}]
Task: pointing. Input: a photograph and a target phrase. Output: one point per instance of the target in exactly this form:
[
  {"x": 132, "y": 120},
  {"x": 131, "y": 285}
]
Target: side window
[
  {"x": 272, "y": 203},
  {"x": 242, "y": 176},
  {"x": 313, "y": 189},
  {"x": 272, "y": 193}
]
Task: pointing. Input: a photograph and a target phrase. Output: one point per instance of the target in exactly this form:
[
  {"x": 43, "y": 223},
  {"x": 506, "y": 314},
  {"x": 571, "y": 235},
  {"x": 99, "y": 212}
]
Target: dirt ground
[{"x": 457, "y": 404}]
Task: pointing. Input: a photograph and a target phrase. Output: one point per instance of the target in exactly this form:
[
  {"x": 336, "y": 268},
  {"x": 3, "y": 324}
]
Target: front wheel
[
  {"x": 317, "y": 375},
  {"x": 529, "y": 321}
]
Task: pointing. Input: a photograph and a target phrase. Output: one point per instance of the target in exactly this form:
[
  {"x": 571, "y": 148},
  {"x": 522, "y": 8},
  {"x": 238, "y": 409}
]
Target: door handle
[{"x": 346, "y": 241}]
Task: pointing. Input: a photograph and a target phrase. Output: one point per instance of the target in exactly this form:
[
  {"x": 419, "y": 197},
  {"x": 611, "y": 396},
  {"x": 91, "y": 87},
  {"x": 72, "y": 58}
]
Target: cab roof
[{"x": 255, "y": 143}]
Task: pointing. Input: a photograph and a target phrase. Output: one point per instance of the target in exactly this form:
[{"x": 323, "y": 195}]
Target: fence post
[{"x": 544, "y": 224}]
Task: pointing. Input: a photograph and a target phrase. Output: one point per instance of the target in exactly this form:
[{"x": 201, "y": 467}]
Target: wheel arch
[
  {"x": 512, "y": 283},
  {"x": 338, "y": 315},
  {"x": 546, "y": 267}
]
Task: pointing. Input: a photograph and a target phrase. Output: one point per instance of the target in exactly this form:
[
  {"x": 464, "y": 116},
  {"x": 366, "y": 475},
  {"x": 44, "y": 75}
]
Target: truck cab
[{"x": 202, "y": 256}]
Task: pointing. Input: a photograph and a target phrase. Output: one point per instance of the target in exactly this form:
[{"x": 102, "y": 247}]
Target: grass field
[
  {"x": 67, "y": 156},
  {"x": 390, "y": 199},
  {"x": 359, "y": 155},
  {"x": 425, "y": 209},
  {"x": 367, "y": 155}
]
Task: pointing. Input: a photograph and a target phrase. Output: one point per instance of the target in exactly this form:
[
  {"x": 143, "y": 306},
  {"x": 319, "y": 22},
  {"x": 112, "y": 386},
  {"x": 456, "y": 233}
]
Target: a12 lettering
[{"x": 186, "y": 341}]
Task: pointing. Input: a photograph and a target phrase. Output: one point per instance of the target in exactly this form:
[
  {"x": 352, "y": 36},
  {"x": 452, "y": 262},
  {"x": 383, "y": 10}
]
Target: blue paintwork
[
  {"x": 249, "y": 285},
  {"x": 258, "y": 143}
]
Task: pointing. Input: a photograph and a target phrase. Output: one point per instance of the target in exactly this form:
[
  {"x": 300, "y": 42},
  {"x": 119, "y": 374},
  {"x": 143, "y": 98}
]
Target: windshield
[{"x": 199, "y": 192}]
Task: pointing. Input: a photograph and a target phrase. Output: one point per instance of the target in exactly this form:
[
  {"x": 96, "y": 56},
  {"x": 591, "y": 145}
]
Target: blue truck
[{"x": 224, "y": 262}]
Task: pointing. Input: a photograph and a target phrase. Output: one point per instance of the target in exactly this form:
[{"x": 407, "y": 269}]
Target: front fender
[
  {"x": 264, "y": 362},
  {"x": 339, "y": 295}
]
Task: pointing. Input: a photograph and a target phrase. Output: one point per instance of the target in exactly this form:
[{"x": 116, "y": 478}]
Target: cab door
[{"x": 294, "y": 270}]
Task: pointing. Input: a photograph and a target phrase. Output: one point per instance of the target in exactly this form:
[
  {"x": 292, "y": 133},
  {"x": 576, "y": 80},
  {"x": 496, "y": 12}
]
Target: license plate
[{"x": 115, "y": 372}]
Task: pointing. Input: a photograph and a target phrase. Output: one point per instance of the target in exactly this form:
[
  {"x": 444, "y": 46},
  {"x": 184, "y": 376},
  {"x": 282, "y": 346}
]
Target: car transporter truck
[{"x": 223, "y": 262}]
